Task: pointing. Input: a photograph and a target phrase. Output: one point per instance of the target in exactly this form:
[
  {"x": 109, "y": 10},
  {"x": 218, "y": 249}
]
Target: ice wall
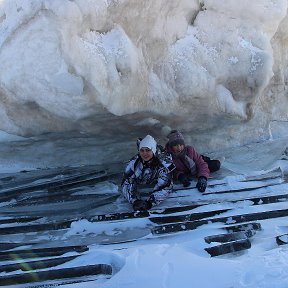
[{"x": 217, "y": 70}]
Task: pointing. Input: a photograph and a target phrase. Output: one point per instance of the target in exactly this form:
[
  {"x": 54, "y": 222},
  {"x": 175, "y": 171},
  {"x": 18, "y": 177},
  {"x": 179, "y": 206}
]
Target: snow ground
[
  {"x": 66, "y": 85},
  {"x": 179, "y": 260}
]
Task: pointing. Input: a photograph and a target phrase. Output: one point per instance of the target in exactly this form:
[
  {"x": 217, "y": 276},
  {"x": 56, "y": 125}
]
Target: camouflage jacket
[{"x": 157, "y": 171}]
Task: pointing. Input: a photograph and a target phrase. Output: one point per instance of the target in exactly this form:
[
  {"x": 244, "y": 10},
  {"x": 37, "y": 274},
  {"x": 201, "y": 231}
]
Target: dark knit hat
[{"x": 175, "y": 138}]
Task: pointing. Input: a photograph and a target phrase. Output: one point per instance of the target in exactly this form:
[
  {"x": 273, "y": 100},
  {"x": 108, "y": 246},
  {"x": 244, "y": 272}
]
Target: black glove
[
  {"x": 142, "y": 205},
  {"x": 184, "y": 180},
  {"x": 201, "y": 184}
]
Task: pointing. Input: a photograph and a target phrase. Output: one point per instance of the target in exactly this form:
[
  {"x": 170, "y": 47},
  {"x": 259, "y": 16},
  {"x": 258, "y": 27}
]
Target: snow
[
  {"x": 179, "y": 259},
  {"x": 108, "y": 71}
]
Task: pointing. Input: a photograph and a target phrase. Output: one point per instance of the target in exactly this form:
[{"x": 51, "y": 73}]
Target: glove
[
  {"x": 201, "y": 184},
  {"x": 142, "y": 205},
  {"x": 184, "y": 180}
]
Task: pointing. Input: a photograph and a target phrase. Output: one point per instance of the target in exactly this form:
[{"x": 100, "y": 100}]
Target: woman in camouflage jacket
[{"x": 147, "y": 168}]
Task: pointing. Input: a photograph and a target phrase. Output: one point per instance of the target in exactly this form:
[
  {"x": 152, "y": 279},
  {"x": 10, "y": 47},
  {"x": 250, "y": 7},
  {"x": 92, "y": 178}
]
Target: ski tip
[{"x": 282, "y": 239}]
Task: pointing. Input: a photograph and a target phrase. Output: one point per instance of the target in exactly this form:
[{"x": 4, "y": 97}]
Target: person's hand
[
  {"x": 201, "y": 184},
  {"x": 142, "y": 205},
  {"x": 184, "y": 180}
]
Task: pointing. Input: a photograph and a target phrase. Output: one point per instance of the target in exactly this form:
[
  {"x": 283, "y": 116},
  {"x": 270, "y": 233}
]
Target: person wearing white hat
[{"x": 147, "y": 168}]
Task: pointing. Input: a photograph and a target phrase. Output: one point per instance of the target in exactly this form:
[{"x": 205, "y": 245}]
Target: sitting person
[
  {"x": 188, "y": 162},
  {"x": 147, "y": 168}
]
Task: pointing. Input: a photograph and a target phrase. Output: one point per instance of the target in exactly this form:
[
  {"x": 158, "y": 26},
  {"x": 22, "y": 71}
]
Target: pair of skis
[
  {"x": 40, "y": 266},
  {"x": 162, "y": 221},
  {"x": 35, "y": 271},
  {"x": 160, "y": 217}
]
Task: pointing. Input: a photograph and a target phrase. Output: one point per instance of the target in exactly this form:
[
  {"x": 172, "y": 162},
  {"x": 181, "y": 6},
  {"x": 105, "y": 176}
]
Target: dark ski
[
  {"x": 69, "y": 208},
  {"x": 55, "y": 182},
  {"x": 56, "y": 274},
  {"x": 91, "y": 177},
  {"x": 191, "y": 225},
  {"x": 282, "y": 239},
  {"x": 56, "y": 225},
  {"x": 40, "y": 252},
  {"x": 228, "y": 237},
  {"x": 256, "y": 226},
  {"x": 230, "y": 247},
  {"x": 36, "y": 264}
]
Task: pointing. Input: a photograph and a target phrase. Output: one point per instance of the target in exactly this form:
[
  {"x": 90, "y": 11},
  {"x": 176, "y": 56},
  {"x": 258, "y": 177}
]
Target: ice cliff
[{"x": 216, "y": 70}]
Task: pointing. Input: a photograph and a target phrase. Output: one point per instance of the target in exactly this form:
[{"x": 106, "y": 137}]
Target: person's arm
[
  {"x": 128, "y": 185},
  {"x": 177, "y": 163},
  {"x": 202, "y": 170},
  {"x": 163, "y": 186},
  {"x": 201, "y": 165}
]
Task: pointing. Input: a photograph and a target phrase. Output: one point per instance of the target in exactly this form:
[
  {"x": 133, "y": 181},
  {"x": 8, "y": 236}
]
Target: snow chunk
[{"x": 228, "y": 105}]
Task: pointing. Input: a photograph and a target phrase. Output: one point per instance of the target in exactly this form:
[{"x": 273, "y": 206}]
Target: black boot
[{"x": 213, "y": 165}]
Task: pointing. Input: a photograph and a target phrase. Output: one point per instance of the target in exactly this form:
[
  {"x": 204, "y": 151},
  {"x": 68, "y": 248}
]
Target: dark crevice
[{"x": 201, "y": 8}]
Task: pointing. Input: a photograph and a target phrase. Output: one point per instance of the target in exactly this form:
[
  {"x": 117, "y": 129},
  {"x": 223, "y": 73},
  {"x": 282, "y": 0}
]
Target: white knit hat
[{"x": 148, "y": 142}]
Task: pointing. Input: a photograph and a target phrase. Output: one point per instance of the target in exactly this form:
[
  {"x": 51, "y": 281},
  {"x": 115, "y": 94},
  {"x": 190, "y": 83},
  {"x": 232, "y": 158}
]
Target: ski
[
  {"x": 56, "y": 225},
  {"x": 261, "y": 200},
  {"x": 40, "y": 252},
  {"x": 54, "y": 182},
  {"x": 48, "y": 226},
  {"x": 191, "y": 225},
  {"x": 45, "y": 197},
  {"x": 54, "y": 192},
  {"x": 254, "y": 181},
  {"x": 62, "y": 208},
  {"x": 222, "y": 187},
  {"x": 195, "y": 216},
  {"x": 13, "y": 180},
  {"x": 257, "y": 200},
  {"x": 230, "y": 247},
  {"x": 56, "y": 274},
  {"x": 58, "y": 283},
  {"x": 9, "y": 194},
  {"x": 245, "y": 179},
  {"x": 275, "y": 173},
  {"x": 187, "y": 217},
  {"x": 43, "y": 175},
  {"x": 77, "y": 183},
  {"x": 36, "y": 227},
  {"x": 51, "y": 199},
  {"x": 23, "y": 219},
  {"x": 245, "y": 189},
  {"x": 282, "y": 239},
  {"x": 11, "y": 245},
  {"x": 36, "y": 264},
  {"x": 255, "y": 226},
  {"x": 226, "y": 190},
  {"x": 228, "y": 237}
]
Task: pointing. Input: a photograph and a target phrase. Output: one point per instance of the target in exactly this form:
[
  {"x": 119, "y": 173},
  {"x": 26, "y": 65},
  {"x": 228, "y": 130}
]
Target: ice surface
[{"x": 170, "y": 261}]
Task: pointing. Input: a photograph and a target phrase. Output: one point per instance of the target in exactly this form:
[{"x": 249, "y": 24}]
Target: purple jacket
[{"x": 185, "y": 165}]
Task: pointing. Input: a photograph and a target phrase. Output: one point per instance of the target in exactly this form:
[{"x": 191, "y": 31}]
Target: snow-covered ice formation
[{"x": 217, "y": 70}]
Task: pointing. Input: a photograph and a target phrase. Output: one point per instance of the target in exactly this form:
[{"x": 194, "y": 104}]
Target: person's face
[
  {"x": 178, "y": 148},
  {"x": 146, "y": 153}
]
